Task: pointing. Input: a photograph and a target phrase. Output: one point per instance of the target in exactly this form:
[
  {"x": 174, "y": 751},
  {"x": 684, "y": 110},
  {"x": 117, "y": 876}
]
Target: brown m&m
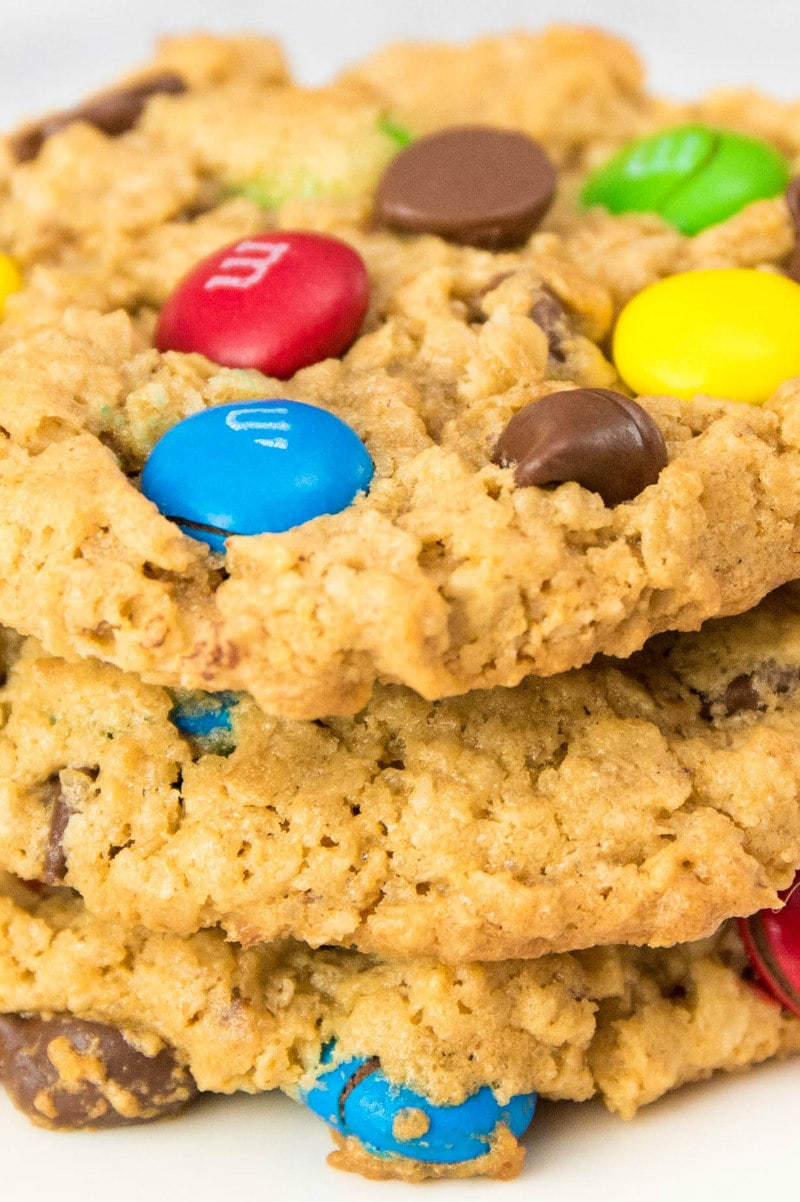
[
  {"x": 471, "y": 184},
  {"x": 600, "y": 439},
  {"x": 67, "y": 1072}
]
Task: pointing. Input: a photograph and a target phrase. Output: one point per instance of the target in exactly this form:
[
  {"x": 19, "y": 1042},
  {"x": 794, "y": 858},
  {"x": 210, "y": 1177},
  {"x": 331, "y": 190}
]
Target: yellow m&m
[
  {"x": 10, "y": 280},
  {"x": 730, "y": 333}
]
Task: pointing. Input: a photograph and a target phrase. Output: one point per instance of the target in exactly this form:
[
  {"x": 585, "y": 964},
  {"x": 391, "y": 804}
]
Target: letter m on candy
[{"x": 250, "y": 261}]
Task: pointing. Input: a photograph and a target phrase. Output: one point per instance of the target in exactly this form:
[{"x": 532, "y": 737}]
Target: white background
[
  {"x": 53, "y": 50},
  {"x": 728, "y": 1139}
]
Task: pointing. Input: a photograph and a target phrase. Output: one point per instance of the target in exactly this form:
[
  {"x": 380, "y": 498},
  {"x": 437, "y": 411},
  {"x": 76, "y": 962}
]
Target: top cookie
[{"x": 444, "y": 575}]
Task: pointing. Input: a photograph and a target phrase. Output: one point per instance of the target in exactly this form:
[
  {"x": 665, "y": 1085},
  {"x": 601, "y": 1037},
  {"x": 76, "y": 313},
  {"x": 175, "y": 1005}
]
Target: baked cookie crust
[
  {"x": 641, "y": 801},
  {"x": 444, "y": 577}
]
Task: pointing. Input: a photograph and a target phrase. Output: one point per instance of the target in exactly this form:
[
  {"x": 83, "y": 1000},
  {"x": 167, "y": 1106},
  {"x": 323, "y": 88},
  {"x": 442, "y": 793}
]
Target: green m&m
[{"x": 692, "y": 176}]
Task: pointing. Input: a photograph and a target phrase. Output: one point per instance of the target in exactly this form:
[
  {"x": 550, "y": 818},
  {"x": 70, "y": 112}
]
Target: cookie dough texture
[
  {"x": 444, "y": 577},
  {"x": 639, "y": 802},
  {"x": 623, "y": 1023}
]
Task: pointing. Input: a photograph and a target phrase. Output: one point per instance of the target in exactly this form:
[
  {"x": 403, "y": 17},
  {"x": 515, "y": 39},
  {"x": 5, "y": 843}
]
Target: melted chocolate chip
[
  {"x": 598, "y": 438},
  {"x": 551, "y": 319},
  {"x": 471, "y": 184},
  {"x": 52, "y": 795},
  {"x": 793, "y": 204},
  {"x": 741, "y": 695},
  {"x": 55, "y": 861},
  {"x": 113, "y": 112},
  {"x": 67, "y": 1072}
]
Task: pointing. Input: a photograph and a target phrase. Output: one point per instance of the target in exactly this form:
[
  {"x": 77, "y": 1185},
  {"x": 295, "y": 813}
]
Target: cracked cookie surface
[
  {"x": 641, "y": 801},
  {"x": 444, "y": 577}
]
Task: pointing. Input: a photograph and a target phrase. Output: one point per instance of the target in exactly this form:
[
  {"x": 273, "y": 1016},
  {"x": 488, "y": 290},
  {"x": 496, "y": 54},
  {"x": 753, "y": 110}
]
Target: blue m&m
[
  {"x": 253, "y": 467},
  {"x": 357, "y": 1099},
  {"x": 205, "y": 719}
]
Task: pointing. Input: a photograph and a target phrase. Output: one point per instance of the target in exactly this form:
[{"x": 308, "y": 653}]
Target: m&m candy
[
  {"x": 276, "y": 302},
  {"x": 254, "y": 466},
  {"x": 731, "y": 333},
  {"x": 205, "y": 719},
  {"x": 772, "y": 941},
  {"x": 357, "y": 1099},
  {"x": 692, "y": 176},
  {"x": 10, "y": 280}
]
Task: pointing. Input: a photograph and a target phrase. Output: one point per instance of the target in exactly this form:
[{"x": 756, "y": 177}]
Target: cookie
[
  {"x": 642, "y": 801},
  {"x": 623, "y": 1023},
  {"x": 441, "y": 571}
]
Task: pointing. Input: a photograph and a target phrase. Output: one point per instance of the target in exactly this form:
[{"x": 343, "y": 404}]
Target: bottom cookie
[{"x": 420, "y": 1069}]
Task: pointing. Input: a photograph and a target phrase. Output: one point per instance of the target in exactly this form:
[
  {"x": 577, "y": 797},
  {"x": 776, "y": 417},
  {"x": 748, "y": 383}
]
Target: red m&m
[
  {"x": 772, "y": 941},
  {"x": 276, "y": 302}
]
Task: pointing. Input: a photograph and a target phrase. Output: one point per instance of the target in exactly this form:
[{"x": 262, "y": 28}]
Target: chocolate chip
[
  {"x": 68, "y": 1072},
  {"x": 55, "y": 861},
  {"x": 471, "y": 184},
  {"x": 598, "y": 438},
  {"x": 741, "y": 695},
  {"x": 551, "y": 319},
  {"x": 52, "y": 795},
  {"x": 113, "y": 112},
  {"x": 793, "y": 204}
]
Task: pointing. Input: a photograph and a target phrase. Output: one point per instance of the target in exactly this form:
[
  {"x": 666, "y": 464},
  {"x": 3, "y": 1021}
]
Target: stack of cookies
[{"x": 371, "y": 458}]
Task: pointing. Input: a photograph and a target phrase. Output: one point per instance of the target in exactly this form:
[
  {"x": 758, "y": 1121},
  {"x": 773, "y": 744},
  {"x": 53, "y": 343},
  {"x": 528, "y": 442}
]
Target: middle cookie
[{"x": 639, "y": 802}]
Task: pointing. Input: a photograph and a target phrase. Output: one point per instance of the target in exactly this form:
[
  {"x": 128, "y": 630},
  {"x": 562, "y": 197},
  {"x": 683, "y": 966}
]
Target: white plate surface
[{"x": 731, "y": 1139}]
